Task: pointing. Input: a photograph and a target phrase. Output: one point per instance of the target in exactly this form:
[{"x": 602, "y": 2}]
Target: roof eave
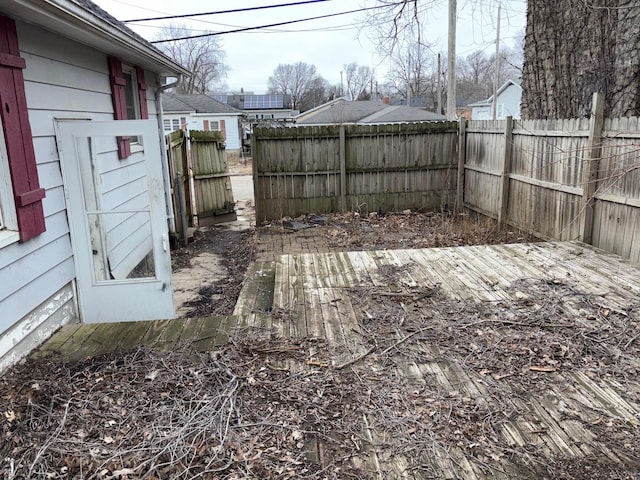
[{"x": 73, "y": 21}]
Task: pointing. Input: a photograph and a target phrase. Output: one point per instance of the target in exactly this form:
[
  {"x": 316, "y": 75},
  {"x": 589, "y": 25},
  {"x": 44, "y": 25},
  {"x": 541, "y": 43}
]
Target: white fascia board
[
  {"x": 68, "y": 19},
  {"x": 213, "y": 114}
]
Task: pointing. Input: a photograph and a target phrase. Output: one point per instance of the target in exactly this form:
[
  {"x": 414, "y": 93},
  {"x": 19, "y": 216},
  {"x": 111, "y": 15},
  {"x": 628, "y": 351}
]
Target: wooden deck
[
  {"x": 339, "y": 296},
  {"x": 429, "y": 306}
]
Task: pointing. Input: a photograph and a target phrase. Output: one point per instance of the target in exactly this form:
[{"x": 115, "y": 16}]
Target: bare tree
[
  {"x": 395, "y": 21},
  {"x": 358, "y": 78},
  {"x": 316, "y": 94},
  {"x": 203, "y": 57},
  {"x": 413, "y": 73},
  {"x": 300, "y": 80}
]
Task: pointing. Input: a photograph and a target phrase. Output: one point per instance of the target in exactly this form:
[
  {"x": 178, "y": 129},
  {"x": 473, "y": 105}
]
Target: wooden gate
[
  {"x": 200, "y": 182},
  {"x": 212, "y": 184}
]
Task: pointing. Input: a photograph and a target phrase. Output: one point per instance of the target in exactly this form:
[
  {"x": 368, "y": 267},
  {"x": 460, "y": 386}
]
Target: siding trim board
[{"x": 17, "y": 132}]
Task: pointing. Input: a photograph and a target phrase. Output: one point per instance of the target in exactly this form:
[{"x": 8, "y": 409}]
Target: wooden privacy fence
[
  {"x": 200, "y": 182},
  {"x": 321, "y": 169},
  {"x": 559, "y": 179}
]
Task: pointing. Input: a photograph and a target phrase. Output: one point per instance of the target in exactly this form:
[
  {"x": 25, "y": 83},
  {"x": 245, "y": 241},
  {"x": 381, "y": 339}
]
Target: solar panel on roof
[
  {"x": 221, "y": 98},
  {"x": 260, "y": 102}
]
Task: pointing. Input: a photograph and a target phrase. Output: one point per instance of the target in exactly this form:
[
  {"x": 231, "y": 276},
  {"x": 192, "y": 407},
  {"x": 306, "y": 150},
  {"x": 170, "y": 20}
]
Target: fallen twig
[
  {"x": 357, "y": 359},
  {"x": 402, "y": 340}
]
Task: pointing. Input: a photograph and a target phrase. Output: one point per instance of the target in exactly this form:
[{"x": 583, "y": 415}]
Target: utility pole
[
  {"x": 341, "y": 85},
  {"x": 439, "y": 87},
  {"x": 496, "y": 76},
  {"x": 451, "y": 52}
]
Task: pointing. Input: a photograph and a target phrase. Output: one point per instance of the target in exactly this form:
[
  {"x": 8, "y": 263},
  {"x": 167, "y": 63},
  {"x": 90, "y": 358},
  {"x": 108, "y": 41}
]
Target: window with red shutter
[
  {"x": 129, "y": 96},
  {"x": 18, "y": 153}
]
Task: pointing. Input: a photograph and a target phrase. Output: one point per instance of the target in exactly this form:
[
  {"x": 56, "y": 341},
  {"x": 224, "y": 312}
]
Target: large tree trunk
[{"x": 574, "y": 48}]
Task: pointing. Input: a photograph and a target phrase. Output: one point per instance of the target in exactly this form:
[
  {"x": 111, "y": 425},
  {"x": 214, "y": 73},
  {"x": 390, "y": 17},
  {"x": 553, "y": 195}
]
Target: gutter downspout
[{"x": 163, "y": 152}]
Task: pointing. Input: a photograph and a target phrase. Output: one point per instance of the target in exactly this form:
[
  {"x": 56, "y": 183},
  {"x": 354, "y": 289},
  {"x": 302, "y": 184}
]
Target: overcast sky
[{"x": 327, "y": 43}]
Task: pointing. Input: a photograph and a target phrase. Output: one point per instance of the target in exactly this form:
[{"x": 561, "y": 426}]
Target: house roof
[
  {"x": 83, "y": 21},
  {"x": 340, "y": 111},
  {"x": 198, "y": 103},
  {"x": 170, "y": 104},
  {"x": 503, "y": 87},
  {"x": 402, "y": 113},
  {"x": 368, "y": 111}
]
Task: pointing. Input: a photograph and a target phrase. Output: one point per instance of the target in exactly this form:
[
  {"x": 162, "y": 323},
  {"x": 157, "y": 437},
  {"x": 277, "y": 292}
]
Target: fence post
[
  {"x": 181, "y": 209},
  {"x": 590, "y": 165},
  {"x": 343, "y": 171},
  {"x": 257, "y": 201},
  {"x": 506, "y": 170},
  {"x": 462, "y": 154}
]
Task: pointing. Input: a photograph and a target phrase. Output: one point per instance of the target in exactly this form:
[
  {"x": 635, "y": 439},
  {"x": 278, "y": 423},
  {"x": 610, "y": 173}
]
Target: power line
[
  {"x": 236, "y": 10},
  {"x": 334, "y": 28},
  {"x": 268, "y": 26}
]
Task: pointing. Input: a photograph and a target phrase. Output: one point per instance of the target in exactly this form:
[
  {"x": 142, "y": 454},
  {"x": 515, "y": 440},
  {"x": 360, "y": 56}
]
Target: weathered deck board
[
  {"x": 77, "y": 342},
  {"x": 257, "y": 293},
  {"x": 545, "y": 421}
]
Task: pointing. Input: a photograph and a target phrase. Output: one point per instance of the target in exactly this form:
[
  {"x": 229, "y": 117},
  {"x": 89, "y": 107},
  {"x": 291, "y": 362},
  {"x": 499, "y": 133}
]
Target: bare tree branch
[
  {"x": 301, "y": 81},
  {"x": 204, "y": 57}
]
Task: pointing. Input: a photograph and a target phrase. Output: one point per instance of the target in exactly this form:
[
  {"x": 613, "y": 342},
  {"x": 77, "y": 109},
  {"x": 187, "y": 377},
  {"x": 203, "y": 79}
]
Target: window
[
  {"x": 7, "y": 205},
  {"x": 210, "y": 125},
  {"x": 132, "y": 101},
  {"x": 129, "y": 96},
  {"x": 500, "y": 111},
  {"x": 172, "y": 124},
  {"x": 21, "y": 211}
]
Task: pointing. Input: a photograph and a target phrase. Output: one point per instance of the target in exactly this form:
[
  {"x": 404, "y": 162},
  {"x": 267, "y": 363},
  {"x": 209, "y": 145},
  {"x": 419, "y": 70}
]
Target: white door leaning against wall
[{"x": 117, "y": 216}]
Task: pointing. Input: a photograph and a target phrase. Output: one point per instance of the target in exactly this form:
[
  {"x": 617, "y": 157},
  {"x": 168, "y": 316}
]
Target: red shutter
[
  {"x": 142, "y": 93},
  {"x": 17, "y": 133},
  {"x": 205, "y": 125},
  {"x": 118, "y": 83},
  {"x": 223, "y": 129}
]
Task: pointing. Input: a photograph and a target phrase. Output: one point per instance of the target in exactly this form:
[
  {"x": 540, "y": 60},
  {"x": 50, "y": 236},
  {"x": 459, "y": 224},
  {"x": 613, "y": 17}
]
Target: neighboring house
[
  {"x": 83, "y": 210},
  {"x": 342, "y": 111},
  {"x": 508, "y": 104},
  {"x": 201, "y": 112},
  {"x": 257, "y": 108}
]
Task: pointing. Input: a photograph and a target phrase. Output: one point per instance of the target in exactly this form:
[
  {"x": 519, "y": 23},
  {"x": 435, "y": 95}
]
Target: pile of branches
[
  {"x": 378, "y": 231},
  {"x": 512, "y": 348},
  {"x": 178, "y": 415}
]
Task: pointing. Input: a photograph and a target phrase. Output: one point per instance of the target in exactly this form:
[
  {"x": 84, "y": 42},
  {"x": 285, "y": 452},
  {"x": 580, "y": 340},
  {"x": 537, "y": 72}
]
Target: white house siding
[
  {"x": 508, "y": 105},
  {"x": 196, "y": 122},
  {"x": 63, "y": 79},
  {"x": 481, "y": 113},
  {"x": 509, "y": 98}
]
